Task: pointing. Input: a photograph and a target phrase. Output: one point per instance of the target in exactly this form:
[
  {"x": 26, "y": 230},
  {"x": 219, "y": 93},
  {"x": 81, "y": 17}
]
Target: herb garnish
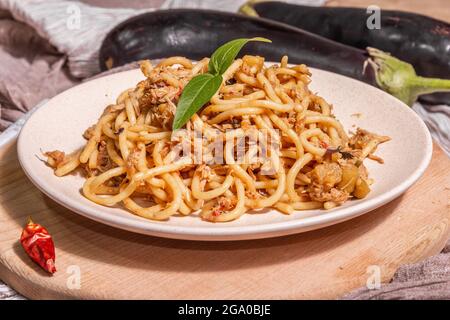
[{"x": 202, "y": 87}]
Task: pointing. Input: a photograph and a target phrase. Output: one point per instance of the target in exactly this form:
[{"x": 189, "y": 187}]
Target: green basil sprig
[
  {"x": 224, "y": 56},
  {"x": 202, "y": 87},
  {"x": 196, "y": 93}
]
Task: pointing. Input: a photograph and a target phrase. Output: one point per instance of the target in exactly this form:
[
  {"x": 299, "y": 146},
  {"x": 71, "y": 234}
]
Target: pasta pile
[{"x": 131, "y": 155}]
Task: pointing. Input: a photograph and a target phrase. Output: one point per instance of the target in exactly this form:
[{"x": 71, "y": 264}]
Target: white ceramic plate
[{"x": 59, "y": 124}]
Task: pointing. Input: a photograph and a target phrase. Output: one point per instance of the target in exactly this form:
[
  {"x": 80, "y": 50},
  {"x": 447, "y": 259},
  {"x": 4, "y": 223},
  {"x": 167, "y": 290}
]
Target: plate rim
[{"x": 241, "y": 232}]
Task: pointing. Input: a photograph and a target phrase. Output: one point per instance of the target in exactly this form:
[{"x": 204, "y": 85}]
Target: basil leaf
[
  {"x": 224, "y": 56},
  {"x": 202, "y": 87},
  {"x": 195, "y": 95}
]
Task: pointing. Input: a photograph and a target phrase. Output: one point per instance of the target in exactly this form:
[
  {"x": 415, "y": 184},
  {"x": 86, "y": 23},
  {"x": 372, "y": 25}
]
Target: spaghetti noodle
[{"x": 131, "y": 155}]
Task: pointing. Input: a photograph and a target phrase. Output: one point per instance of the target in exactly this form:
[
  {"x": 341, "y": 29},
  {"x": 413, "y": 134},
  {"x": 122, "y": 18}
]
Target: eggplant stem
[
  {"x": 430, "y": 85},
  {"x": 400, "y": 79}
]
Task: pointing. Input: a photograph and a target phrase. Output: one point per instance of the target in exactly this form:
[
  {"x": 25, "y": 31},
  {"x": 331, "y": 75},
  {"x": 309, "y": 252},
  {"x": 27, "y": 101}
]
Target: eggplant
[
  {"x": 417, "y": 39},
  {"x": 197, "y": 33}
]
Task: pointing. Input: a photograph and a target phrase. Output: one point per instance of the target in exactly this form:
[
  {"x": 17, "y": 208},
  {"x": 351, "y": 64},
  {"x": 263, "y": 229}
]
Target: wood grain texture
[
  {"x": 117, "y": 264},
  {"x": 439, "y": 9}
]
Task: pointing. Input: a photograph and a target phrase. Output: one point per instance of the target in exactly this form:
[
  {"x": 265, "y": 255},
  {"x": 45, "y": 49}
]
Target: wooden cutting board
[{"x": 115, "y": 264}]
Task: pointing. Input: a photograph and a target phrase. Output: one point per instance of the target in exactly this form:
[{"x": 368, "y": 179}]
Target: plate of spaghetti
[{"x": 278, "y": 149}]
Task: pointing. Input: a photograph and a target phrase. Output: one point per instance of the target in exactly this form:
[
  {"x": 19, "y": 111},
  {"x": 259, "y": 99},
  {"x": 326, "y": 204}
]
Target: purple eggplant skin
[
  {"x": 417, "y": 39},
  {"x": 198, "y": 33}
]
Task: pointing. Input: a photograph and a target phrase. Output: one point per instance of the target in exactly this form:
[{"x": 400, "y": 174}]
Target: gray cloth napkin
[
  {"x": 42, "y": 54},
  {"x": 30, "y": 70},
  {"x": 429, "y": 279}
]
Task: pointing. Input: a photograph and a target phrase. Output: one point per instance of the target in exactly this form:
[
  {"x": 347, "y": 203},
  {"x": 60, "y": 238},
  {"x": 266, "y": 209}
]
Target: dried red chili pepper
[{"x": 38, "y": 244}]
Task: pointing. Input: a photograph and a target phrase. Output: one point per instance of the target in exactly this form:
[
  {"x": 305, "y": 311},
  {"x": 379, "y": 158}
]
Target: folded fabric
[
  {"x": 30, "y": 70},
  {"x": 429, "y": 279},
  {"x": 74, "y": 28},
  {"x": 437, "y": 119}
]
